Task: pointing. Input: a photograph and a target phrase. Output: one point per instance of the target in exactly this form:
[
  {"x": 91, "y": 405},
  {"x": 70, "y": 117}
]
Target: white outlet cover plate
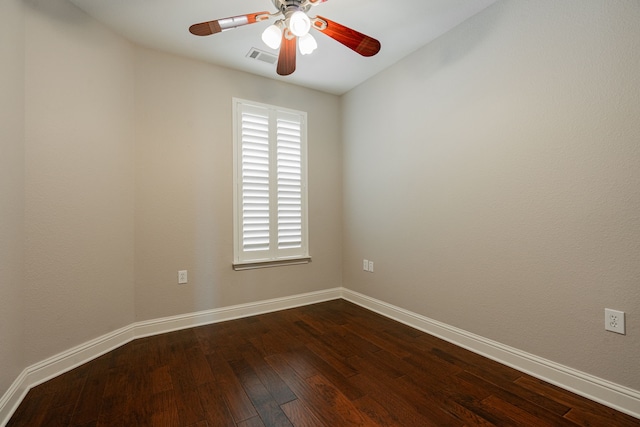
[
  {"x": 182, "y": 277},
  {"x": 614, "y": 321}
]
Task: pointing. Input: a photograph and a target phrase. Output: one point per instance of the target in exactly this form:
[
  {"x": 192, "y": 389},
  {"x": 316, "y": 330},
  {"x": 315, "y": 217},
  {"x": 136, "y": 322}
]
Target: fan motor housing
[{"x": 290, "y": 6}]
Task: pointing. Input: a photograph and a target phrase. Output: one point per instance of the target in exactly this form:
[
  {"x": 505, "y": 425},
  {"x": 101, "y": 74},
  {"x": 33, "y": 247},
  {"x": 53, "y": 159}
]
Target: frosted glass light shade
[
  {"x": 272, "y": 36},
  {"x": 307, "y": 44},
  {"x": 299, "y": 23}
]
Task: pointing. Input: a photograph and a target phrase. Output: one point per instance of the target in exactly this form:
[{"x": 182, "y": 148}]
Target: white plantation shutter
[
  {"x": 255, "y": 179},
  {"x": 270, "y": 184},
  {"x": 289, "y": 158}
]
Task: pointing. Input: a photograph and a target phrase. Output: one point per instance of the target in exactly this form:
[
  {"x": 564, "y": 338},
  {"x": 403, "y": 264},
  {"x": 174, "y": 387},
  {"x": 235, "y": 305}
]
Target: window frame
[{"x": 273, "y": 256}]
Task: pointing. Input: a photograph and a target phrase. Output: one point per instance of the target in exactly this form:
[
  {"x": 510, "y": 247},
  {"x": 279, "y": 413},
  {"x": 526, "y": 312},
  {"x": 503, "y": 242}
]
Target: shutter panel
[
  {"x": 289, "y": 180},
  {"x": 255, "y": 179}
]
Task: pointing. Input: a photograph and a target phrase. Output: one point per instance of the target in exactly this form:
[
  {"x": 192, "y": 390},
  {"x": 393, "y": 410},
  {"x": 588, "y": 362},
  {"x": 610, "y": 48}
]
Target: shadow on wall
[
  {"x": 60, "y": 10},
  {"x": 426, "y": 62}
]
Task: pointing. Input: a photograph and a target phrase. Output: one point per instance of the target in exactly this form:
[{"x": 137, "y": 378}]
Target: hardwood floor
[{"x": 329, "y": 364}]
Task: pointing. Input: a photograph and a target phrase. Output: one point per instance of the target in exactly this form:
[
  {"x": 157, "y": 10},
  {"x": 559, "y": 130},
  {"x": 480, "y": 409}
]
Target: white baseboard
[
  {"x": 610, "y": 394},
  {"x": 174, "y": 323},
  {"x": 613, "y": 395},
  {"x": 70, "y": 359},
  {"x": 12, "y": 398}
]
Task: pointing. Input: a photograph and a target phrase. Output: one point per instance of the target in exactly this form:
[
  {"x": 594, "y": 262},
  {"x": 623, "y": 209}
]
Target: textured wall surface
[
  {"x": 79, "y": 180},
  {"x": 11, "y": 190},
  {"x": 494, "y": 179},
  {"x": 184, "y": 194}
]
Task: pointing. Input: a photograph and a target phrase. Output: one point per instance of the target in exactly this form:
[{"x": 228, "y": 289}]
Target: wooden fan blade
[
  {"x": 287, "y": 57},
  {"x": 354, "y": 40},
  {"x": 213, "y": 27}
]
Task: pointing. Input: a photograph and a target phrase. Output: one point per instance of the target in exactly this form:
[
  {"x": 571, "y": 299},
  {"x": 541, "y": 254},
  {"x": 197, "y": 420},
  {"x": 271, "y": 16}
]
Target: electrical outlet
[
  {"x": 182, "y": 277},
  {"x": 365, "y": 265},
  {"x": 614, "y": 321},
  {"x": 370, "y": 266}
]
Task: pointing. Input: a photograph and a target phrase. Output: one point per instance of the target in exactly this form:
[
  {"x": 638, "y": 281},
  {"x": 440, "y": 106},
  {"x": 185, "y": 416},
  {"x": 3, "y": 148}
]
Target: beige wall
[
  {"x": 493, "y": 177},
  {"x": 11, "y": 190},
  {"x": 184, "y": 188},
  {"x": 79, "y": 180}
]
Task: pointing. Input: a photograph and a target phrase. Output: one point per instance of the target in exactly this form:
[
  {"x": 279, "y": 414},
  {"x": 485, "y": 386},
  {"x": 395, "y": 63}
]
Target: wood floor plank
[
  {"x": 59, "y": 416},
  {"x": 518, "y": 416},
  {"x": 272, "y": 382},
  {"x": 347, "y": 343},
  {"x": 90, "y": 400},
  {"x": 319, "y": 396},
  {"x": 164, "y": 411},
  {"x": 188, "y": 403},
  {"x": 453, "y": 396},
  {"x": 254, "y": 422},
  {"x": 337, "y": 362},
  {"x": 32, "y": 411},
  {"x": 308, "y": 364},
  {"x": 68, "y": 396},
  {"x": 403, "y": 410},
  {"x": 330, "y": 364},
  {"x": 544, "y": 413},
  {"x": 377, "y": 412},
  {"x": 277, "y": 341},
  {"x": 427, "y": 400},
  {"x": 161, "y": 379},
  {"x": 583, "y": 412},
  {"x": 375, "y": 339},
  {"x": 267, "y": 407},
  {"x": 316, "y": 323},
  {"x": 374, "y": 368},
  {"x": 235, "y": 395},
  {"x": 114, "y": 411},
  {"x": 483, "y": 367},
  {"x": 208, "y": 338},
  {"x": 302, "y": 390},
  {"x": 503, "y": 378},
  {"x": 200, "y": 367},
  {"x": 338, "y": 401},
  {"x": 299, "y": 414},
  {"x": 215, "y": 408},
  {"x": 188, "y": 406}
]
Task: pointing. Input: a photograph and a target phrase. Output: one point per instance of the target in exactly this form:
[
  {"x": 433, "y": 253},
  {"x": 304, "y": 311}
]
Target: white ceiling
[{"x": 400, "y": 26}]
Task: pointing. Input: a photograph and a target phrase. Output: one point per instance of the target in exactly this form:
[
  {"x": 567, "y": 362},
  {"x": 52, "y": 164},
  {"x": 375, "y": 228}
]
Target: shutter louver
[
  {"x": 289, "y": 182},
  {"x": 255, "y": 181}
]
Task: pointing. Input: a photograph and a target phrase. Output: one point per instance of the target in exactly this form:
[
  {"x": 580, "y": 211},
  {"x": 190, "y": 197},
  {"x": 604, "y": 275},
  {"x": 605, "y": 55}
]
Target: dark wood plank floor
[{"x": 330, "y": 364}]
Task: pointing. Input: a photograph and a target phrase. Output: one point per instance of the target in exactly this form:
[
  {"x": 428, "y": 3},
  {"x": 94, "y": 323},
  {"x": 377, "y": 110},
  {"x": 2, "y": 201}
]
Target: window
[{"x": 270, "y": 185}]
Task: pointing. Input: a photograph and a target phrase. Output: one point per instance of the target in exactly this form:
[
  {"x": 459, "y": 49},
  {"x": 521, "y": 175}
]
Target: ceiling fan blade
[
  {"x": 287, "y": 57},
  {"x": 354, "y": 40},
  {"x": 213, "y": 27}
]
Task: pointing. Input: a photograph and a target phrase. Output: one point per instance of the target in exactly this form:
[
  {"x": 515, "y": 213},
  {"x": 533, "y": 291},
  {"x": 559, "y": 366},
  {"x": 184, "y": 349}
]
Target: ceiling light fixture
[
  {"x": 299, "y": 23},
  {"x": 272, "y": 36},
  {"x": 307, "y": 44}
]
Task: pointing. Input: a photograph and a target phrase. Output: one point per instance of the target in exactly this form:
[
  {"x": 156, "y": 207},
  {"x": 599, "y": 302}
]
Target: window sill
[{"x": 252, "y": 265}]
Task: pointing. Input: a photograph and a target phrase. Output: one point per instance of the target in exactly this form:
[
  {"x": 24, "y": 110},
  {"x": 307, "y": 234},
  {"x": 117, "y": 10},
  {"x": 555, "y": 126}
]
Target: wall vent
[{"x": 260, "y": 55}]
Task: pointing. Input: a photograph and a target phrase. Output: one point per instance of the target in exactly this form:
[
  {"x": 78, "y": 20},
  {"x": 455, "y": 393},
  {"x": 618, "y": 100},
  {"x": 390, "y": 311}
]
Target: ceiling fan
[{"x": 293, "y": 29}]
